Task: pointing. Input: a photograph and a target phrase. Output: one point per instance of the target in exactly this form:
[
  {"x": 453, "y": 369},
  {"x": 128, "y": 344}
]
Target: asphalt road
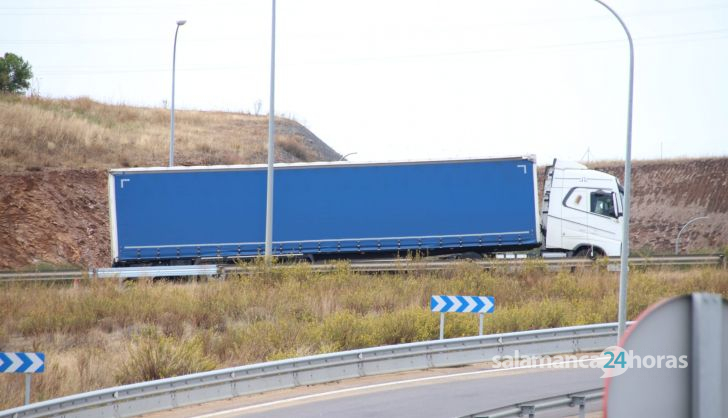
[{"x": 447, "y": 392}]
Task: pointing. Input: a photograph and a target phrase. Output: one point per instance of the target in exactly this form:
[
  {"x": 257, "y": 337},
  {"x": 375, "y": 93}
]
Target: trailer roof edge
[{"x": 318, "y": 164}]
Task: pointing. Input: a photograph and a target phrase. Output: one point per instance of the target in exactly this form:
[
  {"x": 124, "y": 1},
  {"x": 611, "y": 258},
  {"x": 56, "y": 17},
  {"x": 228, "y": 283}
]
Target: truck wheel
[{"x": 587, "y": 252}]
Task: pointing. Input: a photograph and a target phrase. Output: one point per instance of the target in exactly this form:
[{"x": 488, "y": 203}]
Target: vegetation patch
[
  {"x": 102, "y": 334},
  {"x": 81, "y": 133}
]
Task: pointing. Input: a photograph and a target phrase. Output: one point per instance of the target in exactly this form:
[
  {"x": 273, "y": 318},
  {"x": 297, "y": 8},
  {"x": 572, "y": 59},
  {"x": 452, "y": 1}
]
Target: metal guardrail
[
  {"x": 40, "y": 276},
  {"x": 146, "y": 397},
  {"x": 207, "y": 270},
  {"x": 155, "y": 271},
  {"x": 531, "y": 408},
  {"x": 378, "y": 266},
  {"x": 684, "y": 260},
  {"x": 395, "y": 266}
]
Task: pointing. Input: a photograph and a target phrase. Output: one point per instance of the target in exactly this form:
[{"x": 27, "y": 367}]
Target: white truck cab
[{"x": 581, "y": 212}]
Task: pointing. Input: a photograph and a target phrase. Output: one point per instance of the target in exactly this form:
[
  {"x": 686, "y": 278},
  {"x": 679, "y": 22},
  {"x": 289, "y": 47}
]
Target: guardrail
[
  {"x": 146, "y": 397},
  {"x": 207, "y": 270},
  {"x": 202, "y": 270},
  {"x": 40, "y": 276},
  {"x": 378, "y": 266},
  {"x": 530, "y": 408},
  {"x": 399, "y": 266}
]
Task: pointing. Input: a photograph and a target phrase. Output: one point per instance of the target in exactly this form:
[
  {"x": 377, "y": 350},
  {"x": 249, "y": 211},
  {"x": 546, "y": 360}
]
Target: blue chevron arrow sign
[
  {"x": 475, "y": 304},
  {"x": 22, "y": 362}
]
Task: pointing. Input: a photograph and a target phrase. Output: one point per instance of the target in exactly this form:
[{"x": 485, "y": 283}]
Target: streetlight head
[{"x": 181, "y": 22}]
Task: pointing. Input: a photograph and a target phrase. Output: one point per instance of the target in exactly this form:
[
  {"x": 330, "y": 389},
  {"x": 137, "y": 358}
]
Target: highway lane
[{"x": 444, "y": 392}]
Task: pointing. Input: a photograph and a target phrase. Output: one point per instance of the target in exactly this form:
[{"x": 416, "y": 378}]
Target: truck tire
[{"x": 589, "y": 252}]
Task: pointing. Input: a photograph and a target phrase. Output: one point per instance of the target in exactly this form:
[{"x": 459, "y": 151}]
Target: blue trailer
[{"x": 182, "y": 215}]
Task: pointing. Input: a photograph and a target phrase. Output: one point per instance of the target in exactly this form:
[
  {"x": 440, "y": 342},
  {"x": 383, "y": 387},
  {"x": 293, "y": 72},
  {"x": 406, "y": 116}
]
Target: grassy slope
[
  {"x": 100, "y": 335},
  {"x": 81, "y": 133}
]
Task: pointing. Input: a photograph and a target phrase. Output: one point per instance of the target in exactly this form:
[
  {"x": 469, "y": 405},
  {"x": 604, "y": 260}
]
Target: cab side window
[
  {"x": 602, "y": 204},
  {"x": 577, "y": 198}
]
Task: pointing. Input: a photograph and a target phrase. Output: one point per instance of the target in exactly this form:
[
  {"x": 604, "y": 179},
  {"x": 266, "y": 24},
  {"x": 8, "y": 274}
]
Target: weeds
[
  {"x": 154, "y": 330},
  {"x": 81, "y": 133},
  {"x": 156, "y": 356}
]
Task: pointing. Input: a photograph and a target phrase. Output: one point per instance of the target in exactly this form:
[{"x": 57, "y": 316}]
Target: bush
[{"x": 155, "y": 356}]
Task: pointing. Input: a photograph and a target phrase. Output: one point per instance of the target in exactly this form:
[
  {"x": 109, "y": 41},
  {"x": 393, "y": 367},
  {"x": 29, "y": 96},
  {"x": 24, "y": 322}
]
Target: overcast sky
[{"x": 401, "y": 79}]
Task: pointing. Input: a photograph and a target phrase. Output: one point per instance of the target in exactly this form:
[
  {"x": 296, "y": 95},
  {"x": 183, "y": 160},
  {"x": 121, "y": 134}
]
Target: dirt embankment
[
  {"x": 54, "y": 216},
  {"x": 669, "y": 193}
]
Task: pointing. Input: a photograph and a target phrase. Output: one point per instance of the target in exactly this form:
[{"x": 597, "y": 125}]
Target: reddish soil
[
  {"x": 54, "y": 216},
  {"x": 669, "y": 193},
  {"x": 61, "y": 216}
]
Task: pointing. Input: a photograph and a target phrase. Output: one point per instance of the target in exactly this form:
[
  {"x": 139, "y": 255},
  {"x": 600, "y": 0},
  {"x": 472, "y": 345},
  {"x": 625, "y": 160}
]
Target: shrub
[{"x": 156, "y": 356}]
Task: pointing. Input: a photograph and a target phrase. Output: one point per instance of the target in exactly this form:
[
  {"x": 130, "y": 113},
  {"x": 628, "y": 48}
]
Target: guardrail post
[
  {"x": 27, "y": 388},
  {"x": 581, "y": 402},
  {"x": 442, "y": 325},
  {"x": 528, "y": 409}
]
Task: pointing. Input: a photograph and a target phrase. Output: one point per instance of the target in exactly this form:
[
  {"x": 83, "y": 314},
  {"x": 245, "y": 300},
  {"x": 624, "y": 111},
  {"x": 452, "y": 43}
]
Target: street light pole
[
  {"x": 271, "y": 143},
  {"x": 344, "y": 157},
  {"x": 677, "y": 240},
  {"x": 174, "y": 60},
  {"x": 623, "y": 278}
]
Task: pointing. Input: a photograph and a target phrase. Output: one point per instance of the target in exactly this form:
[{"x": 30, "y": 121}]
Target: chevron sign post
[
  {"x": 27, "y": 363},
  {"x": 474, "y": 304}
]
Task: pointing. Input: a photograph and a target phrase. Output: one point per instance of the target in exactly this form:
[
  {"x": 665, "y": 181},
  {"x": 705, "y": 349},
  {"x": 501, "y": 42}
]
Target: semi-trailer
[{"x": 215, "y": 214}]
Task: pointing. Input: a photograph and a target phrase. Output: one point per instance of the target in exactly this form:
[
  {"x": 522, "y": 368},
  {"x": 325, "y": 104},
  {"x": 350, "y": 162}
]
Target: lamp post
[
  {"x": 344, "y": 157},
  {"x": 623, "y": 279},
  {"x": 271, "y": 143},
  {"x": 174, "y": 59},
  {"x": 677, "y": 240}
]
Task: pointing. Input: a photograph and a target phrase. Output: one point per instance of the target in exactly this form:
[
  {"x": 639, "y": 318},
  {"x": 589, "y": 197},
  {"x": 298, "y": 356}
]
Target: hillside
[
  {"x": 667, "y": 194},
  {"x": 54, "y": 155},
  {"x": 80, "y": 133}
]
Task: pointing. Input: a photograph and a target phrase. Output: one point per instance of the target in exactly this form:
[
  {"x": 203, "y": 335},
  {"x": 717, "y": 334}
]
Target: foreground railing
[
  {"x": 532, "y": 408},
  {"x": 146, "y": 397}
]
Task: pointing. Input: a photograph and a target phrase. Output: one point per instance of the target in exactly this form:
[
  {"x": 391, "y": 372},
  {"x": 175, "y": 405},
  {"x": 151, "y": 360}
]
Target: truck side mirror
[{"x": 617, "y": 205}]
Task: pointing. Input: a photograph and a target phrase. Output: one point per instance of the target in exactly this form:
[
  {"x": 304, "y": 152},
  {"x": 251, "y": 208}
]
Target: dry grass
[
  {"x": 77, "y": 133},
  {"x": 100, "y": 335}
]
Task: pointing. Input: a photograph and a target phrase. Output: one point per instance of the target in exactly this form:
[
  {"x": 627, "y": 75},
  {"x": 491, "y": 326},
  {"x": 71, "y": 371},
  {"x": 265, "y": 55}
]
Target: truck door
[
  {"x": 603, "y": 220},
  {"x": 591, "y": 217}
]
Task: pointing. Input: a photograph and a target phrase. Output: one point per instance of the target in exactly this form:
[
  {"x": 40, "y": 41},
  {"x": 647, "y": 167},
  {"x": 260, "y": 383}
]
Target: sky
[{"x": 402, "y": 79}]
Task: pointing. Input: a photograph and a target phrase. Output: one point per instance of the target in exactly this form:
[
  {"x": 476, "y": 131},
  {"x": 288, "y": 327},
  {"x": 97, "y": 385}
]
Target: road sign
[
  {"x": 467, "y": 304},
  {"x": 475, "y": 304},
  {"x": 674, "y": 365},
  {"x": 22, "y": 362},
  {"x": 27, "y": 363}
]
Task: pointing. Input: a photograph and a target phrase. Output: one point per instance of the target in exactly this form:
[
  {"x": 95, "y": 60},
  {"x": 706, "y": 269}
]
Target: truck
[{"x": 322, "y": 210}]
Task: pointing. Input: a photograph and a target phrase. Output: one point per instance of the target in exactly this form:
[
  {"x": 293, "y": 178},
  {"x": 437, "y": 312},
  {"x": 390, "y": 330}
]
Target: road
[{"x": 445, "y": 392}]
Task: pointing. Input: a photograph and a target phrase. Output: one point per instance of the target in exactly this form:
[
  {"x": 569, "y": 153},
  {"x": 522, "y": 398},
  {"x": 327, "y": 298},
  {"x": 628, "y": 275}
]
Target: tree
[{"x": 15, "y": 74}]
